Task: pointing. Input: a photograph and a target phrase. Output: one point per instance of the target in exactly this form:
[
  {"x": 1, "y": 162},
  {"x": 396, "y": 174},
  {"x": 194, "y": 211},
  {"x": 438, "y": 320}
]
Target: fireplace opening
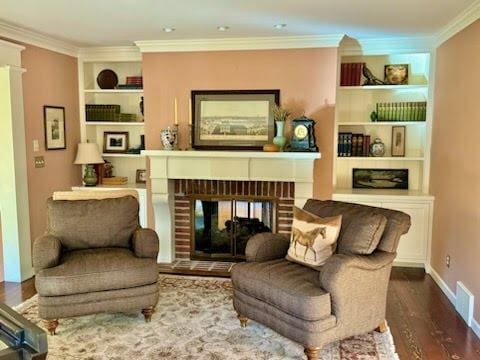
[{"x": 222, "y": 226}]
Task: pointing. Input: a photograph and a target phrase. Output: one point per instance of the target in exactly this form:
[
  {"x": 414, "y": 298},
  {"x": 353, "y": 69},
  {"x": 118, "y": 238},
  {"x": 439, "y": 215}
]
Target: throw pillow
[{"x": 313, "y": 238}]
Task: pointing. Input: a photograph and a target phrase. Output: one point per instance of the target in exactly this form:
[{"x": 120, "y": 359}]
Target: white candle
[
  {"x": 176, "y": 117},
  {"x": 190, "y": 111}
]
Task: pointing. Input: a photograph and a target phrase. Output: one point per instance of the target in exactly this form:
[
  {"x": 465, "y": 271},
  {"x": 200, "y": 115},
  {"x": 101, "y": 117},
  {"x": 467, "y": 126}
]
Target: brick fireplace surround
[
  {"x": 174, "y": 174},
  {"x": 283, "y": 193}
]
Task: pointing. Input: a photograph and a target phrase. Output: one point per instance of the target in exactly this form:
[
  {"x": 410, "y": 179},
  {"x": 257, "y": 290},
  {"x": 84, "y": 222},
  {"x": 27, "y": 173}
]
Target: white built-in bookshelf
[
  {"x": 128, "y": 99},
  {"x": 354, "y": 104}
]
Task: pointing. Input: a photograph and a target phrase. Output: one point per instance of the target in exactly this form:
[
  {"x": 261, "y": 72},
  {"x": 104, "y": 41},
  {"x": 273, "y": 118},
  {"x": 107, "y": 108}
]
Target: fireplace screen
[{"x": 221, "y": 228}]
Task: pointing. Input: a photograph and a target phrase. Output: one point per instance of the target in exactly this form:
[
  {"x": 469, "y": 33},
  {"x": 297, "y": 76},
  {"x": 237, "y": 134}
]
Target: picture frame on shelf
[
  {"x": 396, "y": 74},
  {"x": 141, "y": 176},
  {"x": 115, "y": 142},
  {"x": 233, "y": 119},
  {"x": 379, "y": 178},
  {"x": 54, "y": 127},
  {"x": 398, "y": 140}
]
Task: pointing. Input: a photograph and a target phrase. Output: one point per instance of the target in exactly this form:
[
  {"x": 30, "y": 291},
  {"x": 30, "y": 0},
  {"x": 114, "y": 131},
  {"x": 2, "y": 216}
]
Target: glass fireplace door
[{"x": 221, "y": 228}]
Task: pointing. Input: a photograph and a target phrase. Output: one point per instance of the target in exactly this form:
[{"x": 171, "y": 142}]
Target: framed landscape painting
[
  {"x": 380, "y": 178},
  {"x": 233, "y": 119}
]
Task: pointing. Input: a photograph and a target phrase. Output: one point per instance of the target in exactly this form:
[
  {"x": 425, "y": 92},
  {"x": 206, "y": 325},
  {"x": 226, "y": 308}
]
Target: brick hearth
[{"x": 282, "y": 192}]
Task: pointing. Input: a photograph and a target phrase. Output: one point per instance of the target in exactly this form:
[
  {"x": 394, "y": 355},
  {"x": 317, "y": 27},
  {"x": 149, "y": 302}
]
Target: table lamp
[{"x": 88, "y": 154}]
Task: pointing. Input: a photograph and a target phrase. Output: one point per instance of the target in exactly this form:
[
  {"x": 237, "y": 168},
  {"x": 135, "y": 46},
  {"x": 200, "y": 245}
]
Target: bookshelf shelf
[
  {"x": 385, "y": 87},
  {"x": 113, "y": 123},
  {"x": 114, "y": 91},
  {"x": 380, "y": 123},
  {"x": 122, "y": 155}
]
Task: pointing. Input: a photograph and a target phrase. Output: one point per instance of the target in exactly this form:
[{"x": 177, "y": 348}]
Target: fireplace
[{"x": 215, "y": 218}]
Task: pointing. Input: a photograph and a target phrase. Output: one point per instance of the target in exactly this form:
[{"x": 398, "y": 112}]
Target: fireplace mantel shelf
[{"x": 234, "y": 154}]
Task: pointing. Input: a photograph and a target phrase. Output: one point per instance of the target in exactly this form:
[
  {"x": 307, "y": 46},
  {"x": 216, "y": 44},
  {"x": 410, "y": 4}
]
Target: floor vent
[{"x": 464, "y": 303}]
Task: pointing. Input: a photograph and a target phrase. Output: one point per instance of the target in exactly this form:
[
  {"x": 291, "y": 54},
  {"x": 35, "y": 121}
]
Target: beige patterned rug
[{"x": 194, "y": 320}]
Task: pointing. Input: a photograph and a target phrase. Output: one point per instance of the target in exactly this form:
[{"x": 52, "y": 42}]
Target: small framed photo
[
  {"x": 398, "y": 140},
  {"x": 380, "y": 178},
  {"x": 396, "y": 74},
  {"x": 115, "y": 141},
  {"x": 141, "y": 177},
  {"x": 54, "y": 122}
]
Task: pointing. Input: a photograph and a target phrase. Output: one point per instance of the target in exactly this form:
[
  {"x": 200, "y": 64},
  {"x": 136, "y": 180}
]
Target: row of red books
[
  {"x": 134, "y": 80},
  {"x": 351, "y": 74},
  {"x": 353, "y": 145}
]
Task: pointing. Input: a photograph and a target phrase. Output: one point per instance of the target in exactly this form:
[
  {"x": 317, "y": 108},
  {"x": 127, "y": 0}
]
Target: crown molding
[
  {"x": 381, "y": 46},
  {"x": 110, "y": 53},
  {"x": 460, "y": 22},
  {"x": 252, "y": 43},
  {"x": 22, "y": 35}
]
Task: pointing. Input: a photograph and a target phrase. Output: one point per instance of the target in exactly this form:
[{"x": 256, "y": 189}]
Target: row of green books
[
  {"x": 401, "y": 111},
  {"x": 104, "y": 112}
]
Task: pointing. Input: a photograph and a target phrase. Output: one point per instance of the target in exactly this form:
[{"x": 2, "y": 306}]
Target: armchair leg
[
  {"x": 312, "y": 353},
  {"x": 147, "y": 313},
  {"x": 243, "y": 320},
  {"x": 382, "y": 327},
  {"x": 51, "y": 325}
]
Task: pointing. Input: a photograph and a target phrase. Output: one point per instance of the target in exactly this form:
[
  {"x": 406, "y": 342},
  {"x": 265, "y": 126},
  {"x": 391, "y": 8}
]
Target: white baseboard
[
  {"x": 475, "y": 326},
  {"x": 443, "y": 285}
]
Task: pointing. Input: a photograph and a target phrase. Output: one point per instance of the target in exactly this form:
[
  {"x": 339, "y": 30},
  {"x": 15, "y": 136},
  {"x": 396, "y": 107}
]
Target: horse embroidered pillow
[{"x": 313, "y": 239}]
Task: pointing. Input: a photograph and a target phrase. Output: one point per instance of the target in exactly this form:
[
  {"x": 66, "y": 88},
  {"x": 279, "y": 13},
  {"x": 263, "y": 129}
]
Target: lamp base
[{"x": 90, "y": 177}]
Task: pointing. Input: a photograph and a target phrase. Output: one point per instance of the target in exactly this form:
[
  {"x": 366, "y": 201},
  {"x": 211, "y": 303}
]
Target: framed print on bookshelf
[
  {"x": 398, "y": 140},
  {"x": 141, "y": 176},
  {"x": 54, "y": 122},
  {"x": 233, "y": 119},
  {"x": 115, "y": 142},
  {"x": 379, "y": 178}
]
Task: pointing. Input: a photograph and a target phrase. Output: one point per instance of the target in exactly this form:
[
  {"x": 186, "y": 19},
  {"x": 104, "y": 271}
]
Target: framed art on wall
[
  {"x": 233, "y": 119},
  {"x": 115, "y": 141},
  {"x": 54, "y": 123}
]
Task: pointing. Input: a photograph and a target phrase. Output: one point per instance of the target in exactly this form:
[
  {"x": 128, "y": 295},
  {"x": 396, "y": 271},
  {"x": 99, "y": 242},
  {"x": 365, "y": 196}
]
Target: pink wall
[
  {"x": 51, "y": 79},
  {"x": 306, "y": 79},
  {"x": 455, "y": 173}
]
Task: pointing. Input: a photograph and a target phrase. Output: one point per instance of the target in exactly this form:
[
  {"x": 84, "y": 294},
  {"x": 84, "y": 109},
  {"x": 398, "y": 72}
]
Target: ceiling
[{"x": 121, "y": 22}]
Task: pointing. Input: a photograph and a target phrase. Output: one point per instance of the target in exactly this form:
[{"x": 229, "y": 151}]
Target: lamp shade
[{"x": 87, "y": 153}]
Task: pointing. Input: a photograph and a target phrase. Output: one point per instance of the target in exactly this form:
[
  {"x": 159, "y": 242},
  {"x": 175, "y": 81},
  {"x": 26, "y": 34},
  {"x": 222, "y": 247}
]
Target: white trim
[
  {"x": 475, "y": 327},
  {"x": 443, "y": 286},
  {"x": 110, "y": 53},
  {"x": 382, "y": 46},
  {"x": 252, "y": 43},
  {"x": 11, "y": 45},
  {"x": 18, "y": 33},
  {"x": 460, "y": 22}
]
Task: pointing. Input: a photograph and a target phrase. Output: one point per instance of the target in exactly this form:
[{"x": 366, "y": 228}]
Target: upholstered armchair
[
  {"x": 314, "y": 307},
  {"x": 95, "y": 258}
]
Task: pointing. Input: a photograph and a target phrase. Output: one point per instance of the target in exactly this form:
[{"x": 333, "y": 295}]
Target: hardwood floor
[{"x": 423, "y": 322}]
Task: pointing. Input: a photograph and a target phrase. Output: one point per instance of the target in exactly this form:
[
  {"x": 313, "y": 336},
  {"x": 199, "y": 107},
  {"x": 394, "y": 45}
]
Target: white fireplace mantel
[{"x": 166, "y": 165}]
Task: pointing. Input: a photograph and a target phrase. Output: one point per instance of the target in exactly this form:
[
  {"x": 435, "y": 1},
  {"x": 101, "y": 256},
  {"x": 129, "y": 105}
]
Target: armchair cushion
[
  {"x": 145, "y": 243},
  {"x": 84, "y": 224},
  {"x": 287, "y": 286},
  {"x": 267, "y": 246},
  {"x": 46, "y": 252},
  {"x": 91, "y": 270}
]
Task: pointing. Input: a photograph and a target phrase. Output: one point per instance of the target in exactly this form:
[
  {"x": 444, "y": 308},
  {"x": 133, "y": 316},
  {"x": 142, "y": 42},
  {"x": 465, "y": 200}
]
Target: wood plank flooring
[{"x": 423, "y": 322}]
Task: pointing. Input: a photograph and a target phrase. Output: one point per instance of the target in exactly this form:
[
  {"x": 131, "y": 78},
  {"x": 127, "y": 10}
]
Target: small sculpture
[
  {"x": 169, "y": 138},
  {"x": 371, "y": 79}
]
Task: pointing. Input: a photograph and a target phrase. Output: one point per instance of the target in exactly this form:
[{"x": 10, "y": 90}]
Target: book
[{"x": 115, "y": 180}]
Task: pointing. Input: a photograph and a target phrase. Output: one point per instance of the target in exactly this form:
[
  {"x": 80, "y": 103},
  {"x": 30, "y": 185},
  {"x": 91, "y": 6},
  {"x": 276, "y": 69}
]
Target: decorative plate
[{"x": 107, "y": 79}]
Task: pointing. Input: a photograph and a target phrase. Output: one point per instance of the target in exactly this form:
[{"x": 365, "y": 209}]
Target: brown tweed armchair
[
  {"x": 95, "y": 258},
  {"x": 346, "y": 297}
]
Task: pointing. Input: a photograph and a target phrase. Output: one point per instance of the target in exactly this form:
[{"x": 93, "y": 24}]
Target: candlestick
[
  {"x": 176, "y": 115},
  {"x": 190, "y": 137}
]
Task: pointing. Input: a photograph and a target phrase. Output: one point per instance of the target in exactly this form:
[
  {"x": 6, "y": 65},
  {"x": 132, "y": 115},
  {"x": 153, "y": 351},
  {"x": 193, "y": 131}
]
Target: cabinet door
[
  {"x": 142, "y": 213},
  {"x": 413, "y": 245}
]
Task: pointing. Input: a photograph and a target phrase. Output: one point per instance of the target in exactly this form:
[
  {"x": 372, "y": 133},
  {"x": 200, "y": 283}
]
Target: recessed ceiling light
[
  {"x": 280, "y": 26},
  {"x": 168, "y": 29},
  {"x": 222, "y": 28}
]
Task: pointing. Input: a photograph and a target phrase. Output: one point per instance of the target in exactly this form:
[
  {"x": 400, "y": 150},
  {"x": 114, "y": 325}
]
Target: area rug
[{"x": 194, "y": 320}]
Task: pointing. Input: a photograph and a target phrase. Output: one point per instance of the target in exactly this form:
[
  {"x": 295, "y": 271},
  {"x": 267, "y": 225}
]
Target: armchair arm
[
  {"x": 145, "y": 243},
  {"x": 267, "y": 246},
  {"x": 358, "y": 287},
  {"x": 46, "y": 252}
]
